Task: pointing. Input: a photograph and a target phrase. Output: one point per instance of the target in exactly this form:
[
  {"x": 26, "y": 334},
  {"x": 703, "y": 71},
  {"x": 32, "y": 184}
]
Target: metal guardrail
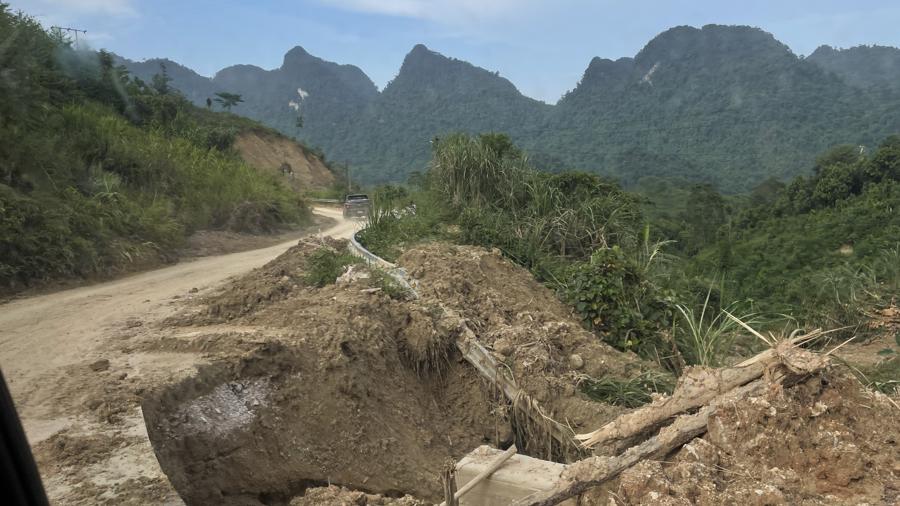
[
  {"x": 480, "y": 358},
  {"x": 393, "y": 270}
]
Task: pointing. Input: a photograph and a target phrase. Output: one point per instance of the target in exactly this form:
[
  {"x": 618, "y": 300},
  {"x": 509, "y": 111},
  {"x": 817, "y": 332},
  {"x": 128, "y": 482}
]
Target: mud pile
[
  {"x": 336, "y": 392},
  {"x": 269, "y": 283},
  {"x": 824, "y": 441},
  {"x": 525, "y": 325},
  {"x": 344, "y": 385}
]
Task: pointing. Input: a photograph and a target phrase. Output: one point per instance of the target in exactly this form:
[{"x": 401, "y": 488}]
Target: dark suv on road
[{"x": 356, "y": 206}]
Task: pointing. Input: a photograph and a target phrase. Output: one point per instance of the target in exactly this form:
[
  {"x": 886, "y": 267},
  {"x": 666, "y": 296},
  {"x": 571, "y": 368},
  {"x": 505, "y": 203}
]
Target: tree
[
  {"x": 228, "y": 100},
  {"x": 161, "y": 81},
  {"x": 703, "y": 217}
]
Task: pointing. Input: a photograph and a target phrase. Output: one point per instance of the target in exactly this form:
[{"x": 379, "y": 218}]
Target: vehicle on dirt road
[{"x": 356, "y": 206}]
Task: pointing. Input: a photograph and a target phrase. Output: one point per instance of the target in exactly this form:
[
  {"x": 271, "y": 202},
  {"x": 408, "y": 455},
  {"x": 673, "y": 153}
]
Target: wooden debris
[
  {"x": 697, "y": 387},
  {"x": 448, "y": 480},
  {"x": 700, "y": 388}
]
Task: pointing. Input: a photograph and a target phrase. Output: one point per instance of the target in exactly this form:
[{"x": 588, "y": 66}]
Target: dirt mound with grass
[
  {"x": 272, "y": 282},
  {"x": 346, "y": 385},
  {"x": 525, "y": 326},
  {"x": 826, "y": 440}
]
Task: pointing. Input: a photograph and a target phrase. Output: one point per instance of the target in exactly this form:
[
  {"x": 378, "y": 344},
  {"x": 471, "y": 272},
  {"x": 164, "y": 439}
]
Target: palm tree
[{"x": 228, "y": 100}]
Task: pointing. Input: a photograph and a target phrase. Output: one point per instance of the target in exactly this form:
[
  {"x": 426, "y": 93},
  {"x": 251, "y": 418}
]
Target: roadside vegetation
[
  {"x": 661, "y": 271},
  {"x": 100, "y": 172}
]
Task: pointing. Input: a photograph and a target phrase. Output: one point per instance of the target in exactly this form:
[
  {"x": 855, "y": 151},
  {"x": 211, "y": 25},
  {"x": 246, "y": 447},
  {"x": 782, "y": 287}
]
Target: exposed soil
[
  {"x": 525, "y": 325},
  {"x": 270, "y": 283},
  {"x": 824, "y": 441},
  {"x": 262, "y": 390},
  {"x": 349, "y": 386},
  {"x": 81, "y": 360},
  {"x": 268, "y": 151}
]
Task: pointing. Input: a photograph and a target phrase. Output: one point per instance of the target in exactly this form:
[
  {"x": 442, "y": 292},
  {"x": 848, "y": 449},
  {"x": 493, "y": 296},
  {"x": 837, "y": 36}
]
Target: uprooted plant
[{"x": 696, "y": 397}]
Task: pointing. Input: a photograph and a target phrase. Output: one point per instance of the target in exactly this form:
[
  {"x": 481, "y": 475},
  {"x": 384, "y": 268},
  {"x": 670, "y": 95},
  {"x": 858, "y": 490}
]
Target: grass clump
[
  {"x": 325, "y": 265},
  {"x": 630, "y": 393}
]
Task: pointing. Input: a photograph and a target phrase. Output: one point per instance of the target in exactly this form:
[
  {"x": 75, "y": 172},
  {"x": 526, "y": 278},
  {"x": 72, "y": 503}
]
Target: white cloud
[
  {"x": 122, "y": 8},
  {"x": 441, "y": 11}
]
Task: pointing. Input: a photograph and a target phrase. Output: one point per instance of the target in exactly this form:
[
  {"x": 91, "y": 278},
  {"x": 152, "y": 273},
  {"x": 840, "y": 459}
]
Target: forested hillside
[
  {"x": 101, "y": 173},
  {"x": 726, "y": 105},
  {"x": 828, "y": 243},
  {"x": 432, "y": 96},
  {"x": 862, "y": 66}
]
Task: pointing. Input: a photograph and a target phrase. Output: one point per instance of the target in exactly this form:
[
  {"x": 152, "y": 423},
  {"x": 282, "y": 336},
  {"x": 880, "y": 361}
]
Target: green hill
[
  {"x": 102, "y": 173},
  {"x": 862, "y": 66}
]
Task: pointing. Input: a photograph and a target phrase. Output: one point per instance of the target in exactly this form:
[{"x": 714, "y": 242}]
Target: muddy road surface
[{"x": 75, "y": 378}]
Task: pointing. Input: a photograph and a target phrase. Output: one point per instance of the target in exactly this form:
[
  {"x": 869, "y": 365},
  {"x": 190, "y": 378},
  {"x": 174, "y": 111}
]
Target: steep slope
[
  {"x": 431, "y": 96},
  {"x": 268, "y": 151},
  {"x": 863, "y": 66}
]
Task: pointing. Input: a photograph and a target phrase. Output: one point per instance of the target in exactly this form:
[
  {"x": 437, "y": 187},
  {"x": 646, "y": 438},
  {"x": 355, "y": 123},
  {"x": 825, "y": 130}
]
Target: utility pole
[{"x": 70, "y": 30}]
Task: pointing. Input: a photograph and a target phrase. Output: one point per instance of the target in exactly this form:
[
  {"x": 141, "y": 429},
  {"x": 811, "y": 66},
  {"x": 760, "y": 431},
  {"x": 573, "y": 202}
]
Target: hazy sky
[{"x": 543, "y": 47}]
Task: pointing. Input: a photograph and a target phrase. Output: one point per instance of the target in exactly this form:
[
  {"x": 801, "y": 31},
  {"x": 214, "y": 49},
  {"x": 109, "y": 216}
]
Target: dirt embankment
[
  {"x": 269, "y": 152},
  {"x": 348, "y": 386},
  {"x": 343, "y": 394}
]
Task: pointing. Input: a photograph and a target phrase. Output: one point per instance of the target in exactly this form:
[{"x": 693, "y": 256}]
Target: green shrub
[
  {"x": 611, "y": 297},
  {"x": 325, "y": 266}
]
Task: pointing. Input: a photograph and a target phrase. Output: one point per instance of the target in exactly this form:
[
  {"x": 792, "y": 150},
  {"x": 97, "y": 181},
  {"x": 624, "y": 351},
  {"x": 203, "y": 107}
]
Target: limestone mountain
[
  {"x": 433, "y": 95},
  {"x": 725, "y": 104},
  {"x": 327, "y": 96},
  {"x": 729, "y": 105}
]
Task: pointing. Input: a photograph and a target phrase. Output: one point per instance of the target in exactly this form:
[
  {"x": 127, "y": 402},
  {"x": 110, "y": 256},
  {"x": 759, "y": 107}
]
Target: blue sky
[{"x": 543, "y": 47}]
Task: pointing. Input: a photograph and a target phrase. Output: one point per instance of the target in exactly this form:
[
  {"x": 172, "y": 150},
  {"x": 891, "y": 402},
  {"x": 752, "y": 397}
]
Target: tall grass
[
  {"x": 105, "y": 194},
  {"x": 705, "y": 335}
]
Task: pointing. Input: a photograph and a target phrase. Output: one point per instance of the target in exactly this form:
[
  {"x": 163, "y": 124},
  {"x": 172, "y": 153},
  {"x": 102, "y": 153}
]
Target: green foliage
[
  {"x": 612, "y": 297},
  {"x": 705, "y": 335},
  {"x": 99, "y": 172},
  {"x": 630, "y": 393},
  {"x": 883, "y": 376},
  {"x": 824, "y": 248},
  {"x": 400, "y": 217},
  {"x": 228, "y": 100},
  {"x": 325, "y": 265},
  {"x": 388, "y": 284}
]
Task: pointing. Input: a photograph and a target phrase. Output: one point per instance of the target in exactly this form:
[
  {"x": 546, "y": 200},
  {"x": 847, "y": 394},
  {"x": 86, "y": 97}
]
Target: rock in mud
[{"x": 100, "y": 365}]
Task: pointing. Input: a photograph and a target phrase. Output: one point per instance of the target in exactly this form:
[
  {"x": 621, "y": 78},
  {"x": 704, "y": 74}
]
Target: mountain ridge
[{"x": 728, "y": 105}]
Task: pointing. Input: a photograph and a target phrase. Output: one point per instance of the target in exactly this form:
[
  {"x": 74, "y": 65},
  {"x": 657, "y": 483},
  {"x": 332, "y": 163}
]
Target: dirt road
[{"x": 67, "y": 360}]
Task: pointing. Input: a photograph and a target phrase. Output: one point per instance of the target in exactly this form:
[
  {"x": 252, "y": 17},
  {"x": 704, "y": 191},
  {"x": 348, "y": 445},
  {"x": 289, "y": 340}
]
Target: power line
[{"x": 76, "y": 31}]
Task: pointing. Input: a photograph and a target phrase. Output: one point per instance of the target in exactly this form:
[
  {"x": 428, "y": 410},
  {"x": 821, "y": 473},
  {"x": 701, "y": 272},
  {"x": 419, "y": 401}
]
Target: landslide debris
[
  {"x": 826, "y": 440},
  {"x": 346, "y": 385}
]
